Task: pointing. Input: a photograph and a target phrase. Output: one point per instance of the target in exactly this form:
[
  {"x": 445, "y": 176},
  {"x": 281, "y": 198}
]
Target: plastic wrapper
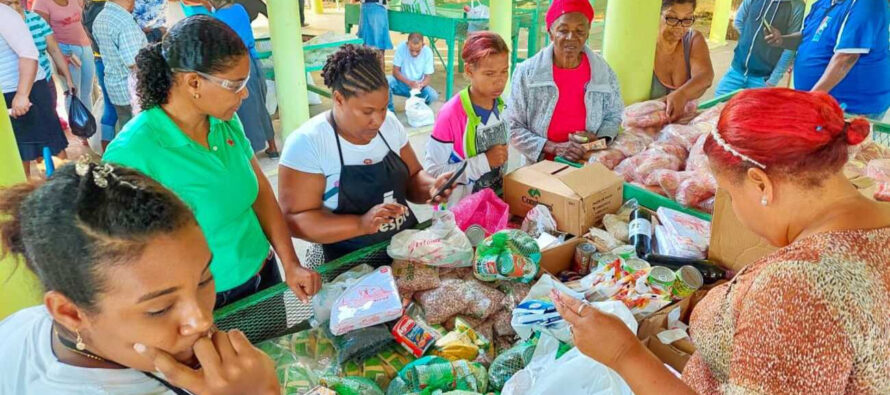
[
  {"x": 414, "y": 276},
  {"x": 483, "y": 300},
  {"x": 414, "y": 336},
  {"x": 463, "y": 342},
  {"x": 324, "y": 300},
  {"x": 687, "y": 226},
  {"x": 361, "y": 344},
  {"x": 612, "y": 282},
  {"x": 644, "y": 108},
  {"x": 707, "y": 206},
  {"x": 609, "y": 158},
  {"x": 878, "y": 170},
  {"x": 446, "y": 301},
  {"x": 869, "y": 151},
  {"x": 632, "y": 142},
  {"x": 443, "y": 244},
  {"x": 710, "y": 116},
  {"x": 351, "y": 385},
  {"x": 616, "y": 227},
  {"x": 698, "y": 160},
  {"x": 507, "y": 255},
  {"x": 696, "y": 189},
  {"x": 640, "y": 115},
  {"x": 433, "y": 374},
  {"x": 668, "y": 180},
  {"x": 538, "y": 220},
  {"x": 508, "y": 363},
  {"x": 678, "y": 246},
  {"x": 373, "y": 299},
  {"x": 501, "y": 323},
  {"x": 296, "y": 374},
  {"x": 514, "y": 293},
  {"x": 627, "y": 168},
  {"x": 684, "y": 135},
  {"x": 483, "y": 208},
  {"x": 603, "y": 240},
  {"x": 671, "y": 148},
  {"x": 882, "y": 193},
  {"x": 653, "y": 160}
]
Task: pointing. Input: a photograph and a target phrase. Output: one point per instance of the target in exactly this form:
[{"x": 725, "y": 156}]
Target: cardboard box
[
  {"x": 676, "y": 354},
  {"x": 559, "y": 258},
  {"x": 577, "y": 197},
  {"x": 732, "y": 245}
]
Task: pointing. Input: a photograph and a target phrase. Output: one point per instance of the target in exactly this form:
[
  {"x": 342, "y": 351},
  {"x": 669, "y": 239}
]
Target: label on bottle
[{"x": 639, "y": 226}]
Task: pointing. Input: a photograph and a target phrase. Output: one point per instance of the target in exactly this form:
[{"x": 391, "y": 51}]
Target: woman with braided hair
[{"x": 346, "y": 176}]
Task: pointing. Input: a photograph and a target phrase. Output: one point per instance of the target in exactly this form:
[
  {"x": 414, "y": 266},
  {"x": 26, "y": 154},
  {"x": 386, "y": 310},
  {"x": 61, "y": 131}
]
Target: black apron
[{"x": 361, "y": 188}]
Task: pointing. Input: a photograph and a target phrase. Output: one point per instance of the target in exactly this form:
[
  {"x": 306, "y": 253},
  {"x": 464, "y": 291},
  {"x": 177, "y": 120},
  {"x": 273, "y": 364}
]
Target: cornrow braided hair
[{"x": 354, "y": 69}]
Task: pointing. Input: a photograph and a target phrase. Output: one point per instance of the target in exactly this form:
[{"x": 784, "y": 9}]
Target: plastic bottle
[{"x": 640, "y": 232}]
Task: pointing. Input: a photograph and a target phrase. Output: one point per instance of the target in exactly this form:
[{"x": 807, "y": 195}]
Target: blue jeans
[
  {"x": 735, "y": 80},
  {"x": 400, "y": 88},
  {"x": 109, "y": 114},
  {"x": 267, "y": 277},
  {"x": 81, "y": 76}
]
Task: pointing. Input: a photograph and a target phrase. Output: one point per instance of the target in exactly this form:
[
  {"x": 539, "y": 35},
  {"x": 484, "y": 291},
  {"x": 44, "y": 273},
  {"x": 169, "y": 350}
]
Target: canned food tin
[
  {"x": 476, "y": 234},
  {"x": 608, "y": 259},
  {"x": 625, "y": 252},
  {"x": 661, "y": 278},
  {"x": 583, "y": 257},
  {"x": 634, "y": 265},
  {"x": 689, "y": 280}
]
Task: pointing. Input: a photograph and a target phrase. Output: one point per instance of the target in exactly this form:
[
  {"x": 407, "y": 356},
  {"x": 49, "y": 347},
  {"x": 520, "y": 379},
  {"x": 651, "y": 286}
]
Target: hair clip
[
  {"x": 728, "y": 148},
  {"x": 819, "y": 128},
  {"x": 82, "y": 167}
]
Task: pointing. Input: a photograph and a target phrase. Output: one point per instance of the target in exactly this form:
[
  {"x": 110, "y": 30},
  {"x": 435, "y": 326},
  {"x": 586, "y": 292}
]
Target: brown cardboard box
[
  {"x": 676, "y": 354},
  {"x": 732, "y": 245},
  {"x": 557, "y": 259},
  {"x": 577, "y": 197}
]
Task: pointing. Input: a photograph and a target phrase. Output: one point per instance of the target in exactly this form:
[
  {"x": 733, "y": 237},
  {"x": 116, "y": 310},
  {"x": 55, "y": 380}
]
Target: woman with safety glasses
[
  {"x": 189, "y": 138},
  {"x": 683, "y": 70}
]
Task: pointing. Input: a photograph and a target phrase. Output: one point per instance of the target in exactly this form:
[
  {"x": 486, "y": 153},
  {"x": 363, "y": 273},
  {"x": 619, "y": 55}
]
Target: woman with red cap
[
  {"x": 811, "y": 318},
  {"x": 683, "y": 70},
  {"x": 564, "y": 89}
]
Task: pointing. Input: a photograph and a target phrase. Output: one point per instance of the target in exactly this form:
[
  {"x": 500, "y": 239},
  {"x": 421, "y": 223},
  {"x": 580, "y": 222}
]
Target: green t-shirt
[{"x": 219, "y": 185}]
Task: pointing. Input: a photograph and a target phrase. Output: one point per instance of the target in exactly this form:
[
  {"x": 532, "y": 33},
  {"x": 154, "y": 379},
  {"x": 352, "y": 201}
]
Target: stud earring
[
  {"x": 197, "y": 96},
  {"x": 79, "y": 345},
  {"x": 764, "y": 202}
]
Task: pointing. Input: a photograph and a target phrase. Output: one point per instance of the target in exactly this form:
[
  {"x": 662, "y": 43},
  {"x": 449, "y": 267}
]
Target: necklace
[{"x": 70, "y": 346}]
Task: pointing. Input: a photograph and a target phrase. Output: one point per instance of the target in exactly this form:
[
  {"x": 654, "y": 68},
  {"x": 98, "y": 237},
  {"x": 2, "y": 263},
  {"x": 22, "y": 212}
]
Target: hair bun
[{"x": 857, "y": 131}]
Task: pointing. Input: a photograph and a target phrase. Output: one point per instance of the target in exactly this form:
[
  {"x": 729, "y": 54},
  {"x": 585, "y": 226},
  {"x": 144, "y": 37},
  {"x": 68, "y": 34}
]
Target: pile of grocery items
[
  {"x": 465, "y": 305},
  {"x": 870, "y": 163}
]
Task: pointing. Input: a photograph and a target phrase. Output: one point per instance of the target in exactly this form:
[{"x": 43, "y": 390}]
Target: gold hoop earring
[{"x": 79, "y": 345}]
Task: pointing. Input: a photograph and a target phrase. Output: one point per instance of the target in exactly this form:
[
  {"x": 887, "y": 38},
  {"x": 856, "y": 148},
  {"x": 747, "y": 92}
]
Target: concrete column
[
  {"x": 631, "y": 31},
  {"x": 18, "y": 286},
  {"x": 501, "y": 22},
  {"x": 720, "y": 22},
  {"x": 287, "y": 56}
]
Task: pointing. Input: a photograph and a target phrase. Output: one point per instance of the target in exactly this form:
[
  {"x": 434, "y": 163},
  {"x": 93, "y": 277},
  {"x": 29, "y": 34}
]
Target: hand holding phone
[{"x": 450, "y": 183}]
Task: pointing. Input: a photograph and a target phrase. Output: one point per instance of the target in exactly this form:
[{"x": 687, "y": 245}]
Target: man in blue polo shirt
[{"x": 844, "y": 49}]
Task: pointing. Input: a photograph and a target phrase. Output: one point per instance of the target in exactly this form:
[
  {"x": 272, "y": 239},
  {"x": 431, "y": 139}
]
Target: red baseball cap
[{"x": 561, "y": 7}]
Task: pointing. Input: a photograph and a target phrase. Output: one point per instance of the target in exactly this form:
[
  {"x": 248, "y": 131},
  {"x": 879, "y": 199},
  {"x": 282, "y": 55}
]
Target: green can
[
  {"x": 634, "y": 265},
  {"x": 688, "y": 281},
  {"x": 661, "y": 278},
  {"x": 607, "y": 259},
  {"x": 625, "y": 252}
]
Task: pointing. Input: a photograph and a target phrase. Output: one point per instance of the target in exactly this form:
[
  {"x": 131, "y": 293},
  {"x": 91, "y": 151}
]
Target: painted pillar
[
  {"x": 809, "y": 4},
  {"x": 501, "y": 22},
  {"x": 287, "y": 56},
  {"x": 631, "y": 31},
  {"x": 720, "y": 21},
  {"x": 18, "y": 286},
  {"x": 318, "y": 7}
]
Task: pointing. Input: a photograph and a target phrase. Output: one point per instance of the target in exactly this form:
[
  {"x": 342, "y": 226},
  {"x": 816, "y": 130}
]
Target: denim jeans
[
  {"x": 400, "y": 88},
  {"x": 268, "y": 276},
  {"x": 109, "y": 114},
  {"x": 735, "y": 80},
  {"x": 81, "y": 76}
]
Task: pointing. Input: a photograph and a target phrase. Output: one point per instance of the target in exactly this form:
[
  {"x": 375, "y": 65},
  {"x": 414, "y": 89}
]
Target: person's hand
[
  {"x": 415, "y": 85},
  {"x": 20, "y": 106},
  {"x": 379, "y": 215},
  {"x": 440, "y": 181},
  {"x": 229, "y": 365},
  {"x": 569, "y": 150},
  {"x": 72, "y": 90},
  {"x": 774, "y": 37},
  {"x": 588, "y": 324},
  {"x": 496, "y": 155},
  {"x": 676, "y": 105},
  {"x": 74, "y": 60},
  {"x": 304, "y": 282}
]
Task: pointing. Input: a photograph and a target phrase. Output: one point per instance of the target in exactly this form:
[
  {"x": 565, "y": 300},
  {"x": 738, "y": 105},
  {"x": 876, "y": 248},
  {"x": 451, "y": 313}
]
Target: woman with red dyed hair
[
  {"x": 470, "y": 127},
  {"x": 813, "y": 317}
]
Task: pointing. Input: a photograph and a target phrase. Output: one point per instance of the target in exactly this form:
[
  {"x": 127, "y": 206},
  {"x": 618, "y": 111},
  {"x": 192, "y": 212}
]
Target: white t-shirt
[
  {"x": 413, "y": 68},
  {"x": 313, "y": 149},
  {"x": 29, "y": 366}
]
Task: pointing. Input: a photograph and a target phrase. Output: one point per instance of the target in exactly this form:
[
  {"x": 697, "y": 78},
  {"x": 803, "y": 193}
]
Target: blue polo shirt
[{"x": 848, "y": 26}]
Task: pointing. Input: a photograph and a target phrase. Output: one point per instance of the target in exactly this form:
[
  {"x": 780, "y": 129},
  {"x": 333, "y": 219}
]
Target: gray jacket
[{"x": 533, "y": 100}]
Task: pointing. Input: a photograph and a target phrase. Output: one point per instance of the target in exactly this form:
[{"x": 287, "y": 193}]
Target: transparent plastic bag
[
  {"x": 647, "y": 114},
  {"x": 442, "y": 244},
  {"x": 538, "y": 220},
  {"x": 446, "y": 301},
  {"x": 507, "y": 255},
  {"x": 651, "y": 160},
  {"x": 878, "y": 170},
  {"x": 616, "y": 227},
  {"x": 710, "y": 116},
  {"x": 351, "y": 385},
  {"x": 324, "y": 300},
  {"x": 698, "y": 160},
  {"x": 418, "y": 112},
  {"x": 609, "y": 158},
  {"x": 508, "y": 363},
  {"x": 882, "y": 193},
  {"x": 414, "y": 276},
  {"x": 670, "y": 148},
  {"x": 684, "y": 135},
  {"x": 373, "y": 299},
  {"x": 483, "y": 300},
  {"x": 696, "y": 189},
  {"x": 632, "y": 142},
  {"x": 361, "y": 344},
  {"x": 483, "y": 208}
]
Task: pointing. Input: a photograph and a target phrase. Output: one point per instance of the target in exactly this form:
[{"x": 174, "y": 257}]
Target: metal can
[
  {"x": 634, "y": 265},
  {"x": 625, "y": 252},
  {"x": 476, "y": 234},
  {"x": 583, "y": 257},
  {"x": 689, "y": 280},
  {"x": 608, "y": 259},
  {"x": 661, "y": 278}
]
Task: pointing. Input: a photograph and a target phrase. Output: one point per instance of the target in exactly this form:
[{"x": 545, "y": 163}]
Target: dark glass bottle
[
  {"x": 639, "y": 232},
  {"x": 710, "y": 272}
]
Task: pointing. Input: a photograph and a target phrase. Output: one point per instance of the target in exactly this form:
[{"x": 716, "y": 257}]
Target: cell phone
[
  {"x": 448, "y": 184},
  {"x": 766, "y": 25}
]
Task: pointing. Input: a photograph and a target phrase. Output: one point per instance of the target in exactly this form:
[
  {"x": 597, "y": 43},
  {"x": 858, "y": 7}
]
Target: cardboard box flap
[
  {"x": 589, "y": 179},
  {"x": 545, "y": 175}
]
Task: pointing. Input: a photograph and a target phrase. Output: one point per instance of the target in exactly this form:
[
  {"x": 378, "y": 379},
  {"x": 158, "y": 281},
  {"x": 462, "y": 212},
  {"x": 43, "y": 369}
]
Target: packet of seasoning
[{"x": 414, "y": 337}]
